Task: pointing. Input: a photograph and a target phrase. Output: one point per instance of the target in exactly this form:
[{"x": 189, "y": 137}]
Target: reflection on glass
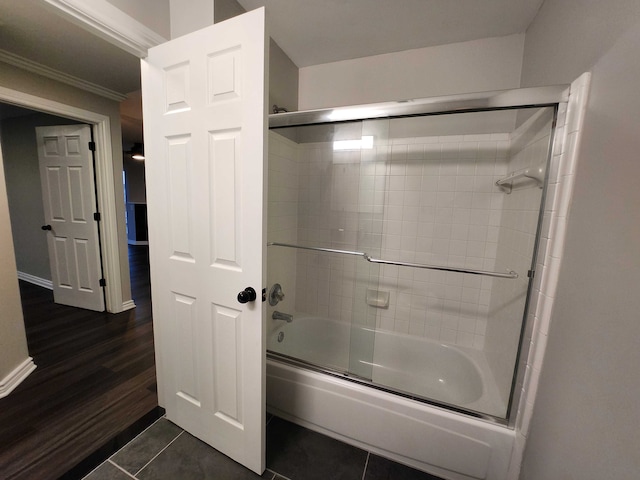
[{"x": 415, "y": 190}]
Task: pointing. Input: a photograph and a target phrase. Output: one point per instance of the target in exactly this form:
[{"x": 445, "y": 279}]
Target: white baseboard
[
  {"x": 41, "y": 282},
  {"x": 11, "y": 381},
  {"x": 128, "y": 305},
  {"x": 138, "y": 242}
]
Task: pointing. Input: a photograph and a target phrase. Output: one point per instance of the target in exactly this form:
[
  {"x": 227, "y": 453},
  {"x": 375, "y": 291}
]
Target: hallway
[{"x": 95, "y": 378}]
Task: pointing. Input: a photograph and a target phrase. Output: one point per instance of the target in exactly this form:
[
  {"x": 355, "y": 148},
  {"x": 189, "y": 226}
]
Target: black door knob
[
  {"x": 247, "y": 295},
  {"x": 46, "y": 227}
]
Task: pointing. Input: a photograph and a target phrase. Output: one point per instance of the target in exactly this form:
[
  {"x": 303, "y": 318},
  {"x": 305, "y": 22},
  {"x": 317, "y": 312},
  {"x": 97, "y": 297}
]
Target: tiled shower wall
[
  {"x": 442, "y": 209},
  {"x": 423, "y": 200},
  {"x": 517, "y": 236}
]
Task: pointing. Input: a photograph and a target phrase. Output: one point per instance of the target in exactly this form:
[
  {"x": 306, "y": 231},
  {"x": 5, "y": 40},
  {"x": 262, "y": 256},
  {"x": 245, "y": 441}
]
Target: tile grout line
[
  {"x": 156, "y": 455},
  {"x": 96, "y": 468},
  {"x": 366, "y": 463},
  {"x": 118, "y": 451},
  {"x": 127, "y": 444},
  {"x": 276, "y": 474},
  {"x": 120, "y": 468},
  {"x": 271, "y": 472}
]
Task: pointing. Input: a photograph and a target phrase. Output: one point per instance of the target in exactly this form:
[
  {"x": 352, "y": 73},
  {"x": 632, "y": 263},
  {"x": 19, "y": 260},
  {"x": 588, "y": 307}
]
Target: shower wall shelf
[
  {"x": 533, "y": 173},
  {"x": 370, "y": 259}
]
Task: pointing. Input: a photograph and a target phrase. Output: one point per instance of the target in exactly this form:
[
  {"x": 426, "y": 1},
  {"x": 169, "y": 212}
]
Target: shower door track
[
  {"x": 370, "y": 259},
  {"x": 534, "y": 97}
]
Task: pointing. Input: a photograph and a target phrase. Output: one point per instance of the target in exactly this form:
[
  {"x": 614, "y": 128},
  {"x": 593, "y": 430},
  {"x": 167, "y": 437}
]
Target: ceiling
[
  {"x": 33, "y": 30},
  {"x": 310, "y": 31}
]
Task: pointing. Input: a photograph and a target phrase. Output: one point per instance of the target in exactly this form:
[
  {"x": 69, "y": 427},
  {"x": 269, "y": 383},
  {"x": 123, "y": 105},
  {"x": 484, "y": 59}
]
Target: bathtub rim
[{"x": 499, "y": 438}]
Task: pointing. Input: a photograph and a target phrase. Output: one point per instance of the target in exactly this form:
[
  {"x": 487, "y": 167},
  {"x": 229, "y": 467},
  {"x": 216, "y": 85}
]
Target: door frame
[{"x": 105, "y": 186}]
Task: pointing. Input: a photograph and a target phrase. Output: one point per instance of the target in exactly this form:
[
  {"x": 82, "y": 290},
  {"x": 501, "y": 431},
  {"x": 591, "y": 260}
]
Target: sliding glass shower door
[{"x": 406, "y": 244}]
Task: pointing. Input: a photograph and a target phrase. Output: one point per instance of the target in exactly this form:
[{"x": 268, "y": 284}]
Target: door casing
[{"x": 113, "y": 264}]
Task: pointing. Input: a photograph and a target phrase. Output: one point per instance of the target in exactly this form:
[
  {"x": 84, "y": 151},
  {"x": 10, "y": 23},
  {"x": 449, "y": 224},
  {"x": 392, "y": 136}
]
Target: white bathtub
[{"x": 442, "y": 442}]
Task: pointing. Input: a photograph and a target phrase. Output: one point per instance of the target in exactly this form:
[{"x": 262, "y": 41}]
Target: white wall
[
  {"x": 475, "y": 66},
  {"x": 187, "y": 17},
  {"x": 13, "y": 341},
  {"x": 585, "y": 423},
  {"x": 283, "y": 79},
  {"x": 153, "y": 14},
  {"x": 225, "y": 9}
]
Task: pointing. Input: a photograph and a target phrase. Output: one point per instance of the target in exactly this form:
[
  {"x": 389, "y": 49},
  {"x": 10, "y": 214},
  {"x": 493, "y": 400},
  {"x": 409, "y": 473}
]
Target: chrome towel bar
[{"x": 368, "y": 258}]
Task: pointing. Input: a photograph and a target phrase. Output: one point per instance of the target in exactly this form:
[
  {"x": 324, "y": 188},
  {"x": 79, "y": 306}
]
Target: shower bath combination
[{"x": 405, "y": 237}]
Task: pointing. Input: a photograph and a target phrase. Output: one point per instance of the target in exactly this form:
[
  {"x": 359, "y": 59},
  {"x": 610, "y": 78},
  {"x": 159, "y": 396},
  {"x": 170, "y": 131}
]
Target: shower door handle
[{"x": 247, "y": 295}]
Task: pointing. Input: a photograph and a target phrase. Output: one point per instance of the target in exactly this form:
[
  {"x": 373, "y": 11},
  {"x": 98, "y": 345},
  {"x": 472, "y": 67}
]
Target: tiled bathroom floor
[{"x": 165, "y": 451}]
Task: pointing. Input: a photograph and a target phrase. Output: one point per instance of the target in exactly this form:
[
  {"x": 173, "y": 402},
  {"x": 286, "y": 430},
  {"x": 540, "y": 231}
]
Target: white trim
[
  {"x": 41, "y": 282},
  {"x": 104, "y": 185},
  {"x": 128, "y": 305},
  {"x": 15, "y": 378},
  {"x": 111, "y": 267},
  {"x": 43, "y": 70},
  {"x": 110, "y": 23},
  {"x": 570, "y": 125}
]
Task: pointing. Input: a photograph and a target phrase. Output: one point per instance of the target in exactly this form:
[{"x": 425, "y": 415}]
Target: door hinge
[
  {"x": 531, "y": 273},
  {"x": 96, "y": 216},
  {"x": 92, "y": 146},
  {"x": 103, "y": 282}
]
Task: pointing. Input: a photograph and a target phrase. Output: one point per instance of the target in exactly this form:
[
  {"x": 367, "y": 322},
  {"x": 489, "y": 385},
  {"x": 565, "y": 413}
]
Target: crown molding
[
  {"x": 43, "y": 70},
  {"x": 110, "y": 23}
]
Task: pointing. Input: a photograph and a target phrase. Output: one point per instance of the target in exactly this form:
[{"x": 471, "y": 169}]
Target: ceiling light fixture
[{"x": 137, "y": 151}]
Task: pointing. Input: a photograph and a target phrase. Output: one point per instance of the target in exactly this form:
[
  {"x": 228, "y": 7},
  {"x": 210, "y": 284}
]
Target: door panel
[
  {"x": 205, "y": 128},
  {"x": 68, "y": 195}
]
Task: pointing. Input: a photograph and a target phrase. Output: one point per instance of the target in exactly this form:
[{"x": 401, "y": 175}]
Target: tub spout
[{"x": 282, "y": 316}]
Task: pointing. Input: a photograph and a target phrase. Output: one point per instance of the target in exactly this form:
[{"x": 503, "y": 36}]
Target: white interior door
[
  {"x": 205, "y": 127},
  {"x": 69, "y": 198}
]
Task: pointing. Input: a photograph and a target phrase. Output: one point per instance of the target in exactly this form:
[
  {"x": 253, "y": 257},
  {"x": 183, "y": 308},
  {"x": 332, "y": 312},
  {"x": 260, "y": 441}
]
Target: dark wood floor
[{"x": 95, "y": 377}]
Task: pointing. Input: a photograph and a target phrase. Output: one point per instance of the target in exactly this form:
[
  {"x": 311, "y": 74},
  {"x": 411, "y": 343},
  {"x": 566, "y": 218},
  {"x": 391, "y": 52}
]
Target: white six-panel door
[
  {"x": 68, "y": 195},
  {"x": 205, "y": 132}
]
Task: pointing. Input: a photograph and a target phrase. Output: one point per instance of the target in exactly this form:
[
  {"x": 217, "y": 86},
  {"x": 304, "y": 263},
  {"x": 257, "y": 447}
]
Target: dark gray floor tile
[
  {"x": 269, "y": 475},
  {"x": 300, "y": 454},
  {"x": 107, "y": 471},
  {"x": 189, "y": 458},
  {"x": 147, "y": 445},
  {"x": 379, "y": 468}
]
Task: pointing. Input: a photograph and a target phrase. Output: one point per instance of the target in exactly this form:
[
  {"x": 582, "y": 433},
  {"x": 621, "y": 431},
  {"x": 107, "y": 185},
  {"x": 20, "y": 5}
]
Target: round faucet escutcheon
[{"x": 275, "y": 294}]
